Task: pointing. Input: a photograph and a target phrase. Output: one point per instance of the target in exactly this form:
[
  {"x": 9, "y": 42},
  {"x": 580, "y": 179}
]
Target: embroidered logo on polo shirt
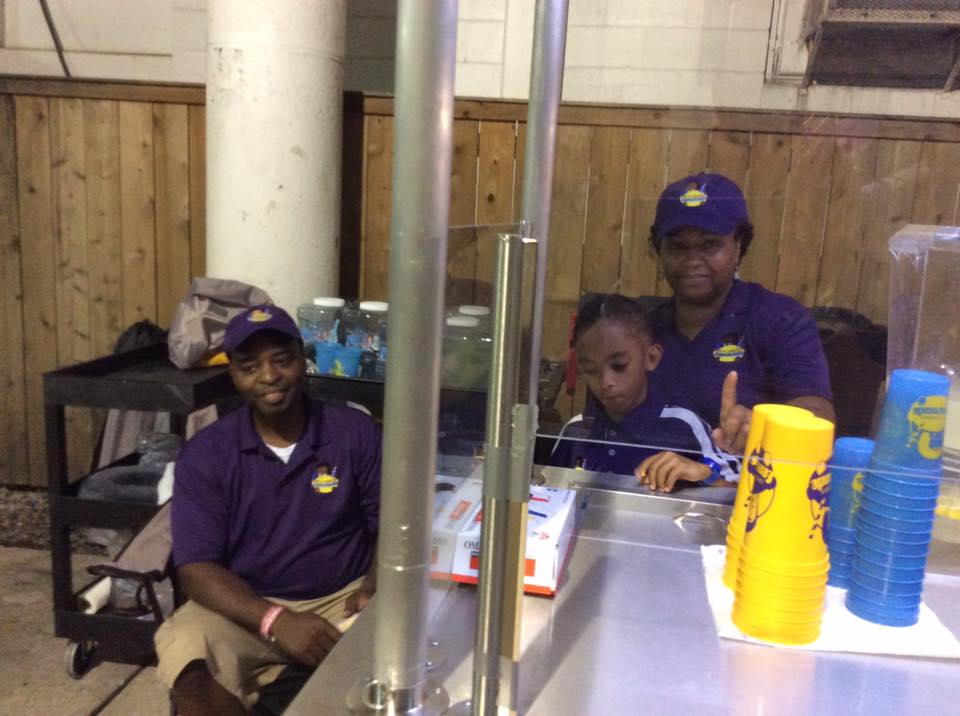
[
  {"x": 693, "y": 196},
  {"x": 729, "y": 352},
  {"x": 259, "y": 316},
  {"x": 325, "y": 481}
]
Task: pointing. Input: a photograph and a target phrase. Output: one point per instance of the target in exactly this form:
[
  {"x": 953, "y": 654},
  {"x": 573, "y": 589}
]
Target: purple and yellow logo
[
  {"x": 818, "y": 492},
  {"x": 728, "y": 353},
  {"x": 258, "y": 315},
  {"x": 763, "y": 487},
  {"x": 325, "y": 481},
  {"x": 693, "y": 196}
]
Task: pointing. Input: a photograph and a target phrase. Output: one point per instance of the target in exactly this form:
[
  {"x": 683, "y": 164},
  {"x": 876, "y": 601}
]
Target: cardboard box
[
  {"x": 551, "y": 515},
  {"x": 456, "y": 508}
]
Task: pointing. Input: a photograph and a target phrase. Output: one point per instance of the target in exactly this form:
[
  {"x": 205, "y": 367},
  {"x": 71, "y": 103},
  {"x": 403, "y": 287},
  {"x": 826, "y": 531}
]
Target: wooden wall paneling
[
  {"x": 495, "y": 180},
  {"x": 375, "y": 246},
  {"x": 462, "y": 247},
  {"x": 351, "y": 202},
  {"x": 890, "y": 198},
  {"x": 686, "y": 155},
  {"x": 804, "y": 217},
  {"x": 645, "y": 180},
  {"x": 102, "y": 151},
  {"x": 729, "y": 155},
  {"x": 197, "y": 158},
  {"x": 137, "y": 212},
  {"x": 765, "y": 190},
  {"x": 606, "y": 191},
  {"x": 854, "y": 163},
  {"x": 938, "y": 182},
  {"x": 68, "y": 195},
  {"x": 38, "y": 268},
  {"x": 568, "y": 207},
  {"x": 519, "y": 165},
  {"x": 171, "y": 151},
  {"x": 14, "y": 467}
]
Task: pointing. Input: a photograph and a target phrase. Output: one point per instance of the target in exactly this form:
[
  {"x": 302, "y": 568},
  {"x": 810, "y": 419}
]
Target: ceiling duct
[{"x": 883, "y": 43}]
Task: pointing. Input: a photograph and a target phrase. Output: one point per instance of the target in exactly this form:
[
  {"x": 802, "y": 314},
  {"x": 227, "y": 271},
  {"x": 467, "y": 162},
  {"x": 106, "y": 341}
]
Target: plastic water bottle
[
  {"x": 365, "y": 332},
  {"x": 462, "y": 365},
  {"x": 319, "y": 320}
]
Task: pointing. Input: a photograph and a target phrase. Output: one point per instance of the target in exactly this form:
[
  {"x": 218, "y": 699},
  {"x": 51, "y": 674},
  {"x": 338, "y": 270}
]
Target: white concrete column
[{"x": 274, "y": 115}]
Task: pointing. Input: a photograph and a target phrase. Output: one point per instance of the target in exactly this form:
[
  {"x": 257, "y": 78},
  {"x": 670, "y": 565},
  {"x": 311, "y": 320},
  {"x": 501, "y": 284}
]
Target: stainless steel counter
[{"x": 630, "y": 631}]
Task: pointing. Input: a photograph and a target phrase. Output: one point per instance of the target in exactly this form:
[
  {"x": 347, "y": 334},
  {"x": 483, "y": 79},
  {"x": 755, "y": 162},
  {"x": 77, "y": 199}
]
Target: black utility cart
[{"x": 140, "y": 379}]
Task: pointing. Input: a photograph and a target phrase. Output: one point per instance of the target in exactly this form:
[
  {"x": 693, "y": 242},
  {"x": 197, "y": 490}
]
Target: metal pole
[
  {"x": 546, "y": 85},
  {"x": 426, "y": 56},
  {"x": 501, "y": 398}
]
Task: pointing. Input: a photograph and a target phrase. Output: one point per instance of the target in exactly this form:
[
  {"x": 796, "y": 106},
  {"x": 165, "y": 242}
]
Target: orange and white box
[
  {"x": 550, "y": 527},
  {"x": 458, "y": 507},
  {"x": 444, "y": 486}
]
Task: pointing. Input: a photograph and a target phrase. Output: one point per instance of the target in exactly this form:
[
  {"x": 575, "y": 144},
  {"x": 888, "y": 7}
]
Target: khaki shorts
[{"x": 241, "y": 661}]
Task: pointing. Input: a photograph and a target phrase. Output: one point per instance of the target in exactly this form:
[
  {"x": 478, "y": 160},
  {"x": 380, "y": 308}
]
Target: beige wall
[{"x": 707, "y": 53}]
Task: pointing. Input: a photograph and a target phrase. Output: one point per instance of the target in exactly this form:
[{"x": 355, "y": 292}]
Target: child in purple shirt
[{"x": 628, "y": 429}]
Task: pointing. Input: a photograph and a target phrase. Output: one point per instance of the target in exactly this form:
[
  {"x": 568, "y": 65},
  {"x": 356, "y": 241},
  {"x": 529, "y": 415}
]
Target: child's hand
[
  {"x": 660, "y": 472},
  {"x": 731, "y": 435}
]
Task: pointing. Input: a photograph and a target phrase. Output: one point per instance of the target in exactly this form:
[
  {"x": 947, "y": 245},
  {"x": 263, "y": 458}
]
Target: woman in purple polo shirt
[{"x": 716, "y": 324}]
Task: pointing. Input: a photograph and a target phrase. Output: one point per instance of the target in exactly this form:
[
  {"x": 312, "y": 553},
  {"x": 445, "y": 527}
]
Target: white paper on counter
[{"x": 841, "y": 630}]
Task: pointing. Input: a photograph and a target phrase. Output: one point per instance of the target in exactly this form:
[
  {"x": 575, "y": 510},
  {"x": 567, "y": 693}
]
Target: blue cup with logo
[
  {"x": 326, "y": 353},
  {"x": 896, "y": 509},
  {"x": 851, "y": 457},
  {"x": 889, "y": 559},
  {"x": 889, "y": 543},
  {"x": 913, "y": 418},
  {"x": 888, "y": 616},
  {"x": 885, "y": 586},
  {"x": 346, "y": 363},
  {"x": 908, "y": 533}
]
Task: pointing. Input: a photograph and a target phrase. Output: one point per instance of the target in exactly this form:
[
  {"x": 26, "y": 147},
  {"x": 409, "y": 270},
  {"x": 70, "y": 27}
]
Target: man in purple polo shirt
[
  {"x": 274, "y": 521},
  {"x": 716, "y": 324}
]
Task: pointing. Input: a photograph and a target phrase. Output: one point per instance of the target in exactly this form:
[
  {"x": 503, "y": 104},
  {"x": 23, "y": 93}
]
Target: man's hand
[
  {"x": 731, "y": 435},
  {"x": 357, "y": 600},
  {"x": 660, "y": 472},
  {"x": 306, "y": 637}
]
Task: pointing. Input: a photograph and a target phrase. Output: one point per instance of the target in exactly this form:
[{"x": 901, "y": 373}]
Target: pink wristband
[{"x": 269, "y": 617}]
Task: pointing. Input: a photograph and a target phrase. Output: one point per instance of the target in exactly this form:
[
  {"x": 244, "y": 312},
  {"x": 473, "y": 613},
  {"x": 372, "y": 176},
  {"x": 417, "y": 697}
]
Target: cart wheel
[{"x": 78, "y": 658}]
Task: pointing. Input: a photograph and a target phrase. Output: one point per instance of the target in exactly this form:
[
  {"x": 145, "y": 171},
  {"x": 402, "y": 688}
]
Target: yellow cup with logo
[
  {"x": 783, "y": 535},
  {"x": 776, "y": 626},
  {"x": 738, "y": 520},
  {"x": 791, "y": 484}
]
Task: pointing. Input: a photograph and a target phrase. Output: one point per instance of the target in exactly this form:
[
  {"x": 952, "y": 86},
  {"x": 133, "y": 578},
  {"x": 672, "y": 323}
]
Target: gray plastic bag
[{"x": 201, "y": 318}]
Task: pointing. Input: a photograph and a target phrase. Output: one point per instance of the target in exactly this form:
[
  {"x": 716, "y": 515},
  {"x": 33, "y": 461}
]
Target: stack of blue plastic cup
[
  {"x": 851, "y": 457},
  {"x": 895, "y": 518}
]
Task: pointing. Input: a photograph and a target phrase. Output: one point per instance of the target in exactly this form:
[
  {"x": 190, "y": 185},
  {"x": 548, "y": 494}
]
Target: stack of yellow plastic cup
[
  {"x": 738, "y": 520},
  {"x": 782, "y": 575}
]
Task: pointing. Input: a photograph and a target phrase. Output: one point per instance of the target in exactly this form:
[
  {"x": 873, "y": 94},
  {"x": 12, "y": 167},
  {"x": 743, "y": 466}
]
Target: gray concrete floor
[{"x": 32, "y": 659}]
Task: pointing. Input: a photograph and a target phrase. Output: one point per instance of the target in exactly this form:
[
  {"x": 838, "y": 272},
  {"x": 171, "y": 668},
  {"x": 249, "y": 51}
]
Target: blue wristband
[{"x": 714, "y": 471}]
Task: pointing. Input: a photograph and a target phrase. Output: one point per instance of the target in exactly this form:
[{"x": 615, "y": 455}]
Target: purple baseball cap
[
  {"x": 706, "y": 201},
  {"x": 254, "y": 320}
]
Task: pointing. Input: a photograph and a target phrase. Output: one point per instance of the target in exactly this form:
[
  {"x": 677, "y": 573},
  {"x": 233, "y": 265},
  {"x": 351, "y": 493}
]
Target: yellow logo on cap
[
  {"x": 693, "y": 197},
  {"x": 259, "y": 316},
  {"x": 729, "y": 353},
  {"x": 325, "y": 482}
]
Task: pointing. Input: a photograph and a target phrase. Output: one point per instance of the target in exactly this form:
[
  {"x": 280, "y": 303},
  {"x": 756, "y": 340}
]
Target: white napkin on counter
[{"x": 841, "y": 630}]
